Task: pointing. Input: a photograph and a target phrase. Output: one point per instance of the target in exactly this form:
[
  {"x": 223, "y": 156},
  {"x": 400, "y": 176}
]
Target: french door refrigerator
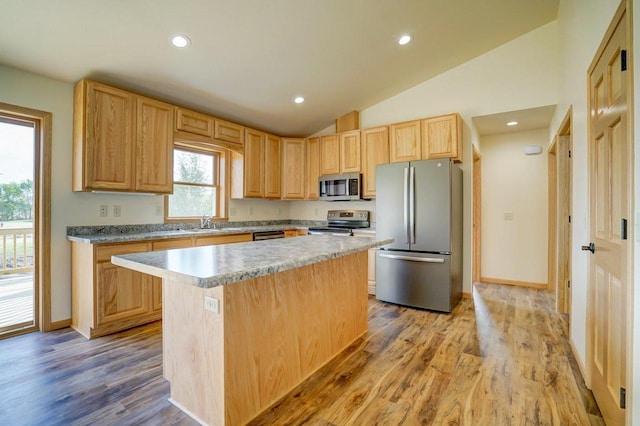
[{"x": 419, "y": 204}]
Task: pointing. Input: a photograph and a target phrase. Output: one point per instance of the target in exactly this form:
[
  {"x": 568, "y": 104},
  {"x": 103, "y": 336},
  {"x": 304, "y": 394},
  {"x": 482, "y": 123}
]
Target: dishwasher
[{"x": 267, "y": 235}]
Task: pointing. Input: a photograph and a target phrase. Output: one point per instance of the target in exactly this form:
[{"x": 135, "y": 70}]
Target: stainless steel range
[{"x": 343, "y": 222}]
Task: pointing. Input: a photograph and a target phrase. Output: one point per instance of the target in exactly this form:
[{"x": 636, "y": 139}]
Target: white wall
[
  {"x": 317, "y": 210},
  {"x": 518, "y": 75},
  {"x": 581, "y": 27},
  {"x": 514, "y": 183},
  {"x": 255, "y": 209}
]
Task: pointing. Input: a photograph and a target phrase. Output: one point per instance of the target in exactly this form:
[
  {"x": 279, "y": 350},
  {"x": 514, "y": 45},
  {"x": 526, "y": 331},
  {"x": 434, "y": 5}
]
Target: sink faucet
[{"x": 205, "y": 221}]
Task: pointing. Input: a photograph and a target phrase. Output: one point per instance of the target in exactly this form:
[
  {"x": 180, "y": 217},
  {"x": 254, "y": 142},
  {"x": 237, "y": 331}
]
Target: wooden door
[
  {"x": 563, "y": 223},
  {"x": 375, "y": 150},
  {"x": 109, "y": 138},
  {"x": 272, "y": 167},
  {"x": 293, "y": 170},
  {"x": 442, "y": 137},
  {"x": 254, "y": 163},
  {"x": 194, "y": 122},
  {"x": 312, "y": 169},
  {"x": 154, "y": 146},
  {"x": 350, "y": 152},
  {"x": 329, "y": 155},
  {"x": 404, "y": 142},
  {"x": 228, "y": 132},
  {"x": 121, "y": 293},
  {"x": 609, "y": 147}
]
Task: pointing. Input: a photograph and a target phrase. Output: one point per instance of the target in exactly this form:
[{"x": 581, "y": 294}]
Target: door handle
[
  {"x": 413, "y": 259},
  {"x": 591, "y": 247}
]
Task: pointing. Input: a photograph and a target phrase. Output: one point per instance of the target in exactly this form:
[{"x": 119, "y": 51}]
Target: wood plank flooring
[{"x": 501, "y": 358}]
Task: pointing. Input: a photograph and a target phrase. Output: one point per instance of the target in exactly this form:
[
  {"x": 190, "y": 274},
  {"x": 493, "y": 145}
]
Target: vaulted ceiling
[{"x": 248, "y": 59}]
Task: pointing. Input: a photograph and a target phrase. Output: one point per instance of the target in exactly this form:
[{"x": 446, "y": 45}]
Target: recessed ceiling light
[
  {"x": 404, "y": 39},
  {"x": 299, "y": 100},
  {"x": 512, "y": 123},
  {"x": 180, "y": 40}
]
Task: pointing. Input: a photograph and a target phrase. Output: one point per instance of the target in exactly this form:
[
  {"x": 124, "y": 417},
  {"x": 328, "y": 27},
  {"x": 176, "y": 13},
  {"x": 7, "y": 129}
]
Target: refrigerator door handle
[
  {"x": 413, "y": 259},
  {"x": 412, "y": 207},
  {"x": 405, "y": 206}
]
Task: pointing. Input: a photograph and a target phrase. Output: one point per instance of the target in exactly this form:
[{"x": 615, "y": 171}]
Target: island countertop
[{"x": 212, "y": 266}]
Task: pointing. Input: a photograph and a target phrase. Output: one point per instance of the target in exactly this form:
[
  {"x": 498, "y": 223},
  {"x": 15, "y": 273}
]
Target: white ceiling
[
  {"x": 528, "y": 119},
  {"x": 250, "y": 58}
]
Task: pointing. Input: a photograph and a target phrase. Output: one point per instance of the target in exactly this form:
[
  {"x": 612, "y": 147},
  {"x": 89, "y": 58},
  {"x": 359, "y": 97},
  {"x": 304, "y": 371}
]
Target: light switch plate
[{"x": 508, "y": 216}]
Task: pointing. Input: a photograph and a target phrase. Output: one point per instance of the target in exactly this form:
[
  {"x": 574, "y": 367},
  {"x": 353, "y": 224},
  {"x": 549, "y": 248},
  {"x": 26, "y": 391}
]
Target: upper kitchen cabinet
[
  {"x": 312, "y": 169},
  {"x": 329, "y": 154},
  {"x": 154, "y": 146},
  {"x": 254, "y": 163},
  {"x": 194, "y": 123},
  {"x": 293, "y": 169},
  {"x": 228, "y": 132},
  {"x": 350, "y": 152},
  {"x": 442, "y": 137},
  {"x": 272, "y": 167},
  {"x": 112, "y": 128},
  {"x": 404, "y": 141},
  {"x": 375, "y": 150}
]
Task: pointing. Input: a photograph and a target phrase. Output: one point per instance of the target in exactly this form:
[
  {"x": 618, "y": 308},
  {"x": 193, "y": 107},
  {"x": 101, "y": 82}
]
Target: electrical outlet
[
  {"x": 250, "y": 211},
  {"x": 279, "y": 211},
  {"x": 211, "y": 304},
  {"x": 315, "y": 212},
  {"x": 117, "y": 210},
  {"x": 159, "y": 210},
  {"x": 232, "y": 211},
  {"x": 103, "y": 211}
]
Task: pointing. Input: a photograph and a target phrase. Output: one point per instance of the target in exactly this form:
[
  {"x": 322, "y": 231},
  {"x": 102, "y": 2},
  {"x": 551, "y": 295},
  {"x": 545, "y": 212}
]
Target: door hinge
[
  {"x": 623, "y": 60},
  {"x": 569, "y": 219},
  {"x": 569, "y": 153},
  {"x": 623, "y": 229},
  {"x": 569, "y": 284},
  {"x": 623, "y": 398}
]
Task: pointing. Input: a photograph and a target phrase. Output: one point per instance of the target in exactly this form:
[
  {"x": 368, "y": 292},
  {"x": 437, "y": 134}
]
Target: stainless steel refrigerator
[{"x": 419, "y": 204}]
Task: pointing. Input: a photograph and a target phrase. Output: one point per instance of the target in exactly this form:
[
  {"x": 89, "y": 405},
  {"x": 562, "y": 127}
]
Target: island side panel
[
  {"x": 192, "y": 340},
  {"x": 281, "y": 328}
]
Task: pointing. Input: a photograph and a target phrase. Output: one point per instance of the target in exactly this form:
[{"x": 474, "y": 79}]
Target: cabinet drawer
[
  {"x": 194, "y": 122},
  {"x": 104, "y": 253},
  {"x": 229, "y": 132},
  {"x": 172, "y": 244},
  {"x": 223, "y": 239}
]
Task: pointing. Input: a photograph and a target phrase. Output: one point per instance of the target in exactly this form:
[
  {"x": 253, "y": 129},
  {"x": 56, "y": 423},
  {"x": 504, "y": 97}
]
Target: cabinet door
[
  {"x": 154, "y": 146},
  {"x": 293, "y": 170},
  {"x": 272, "y": 167},
  {"x": 223, "y": 239},
  {"x": 228, "y": 132},
  {"x": 350, "y": 152},
  {"x": 404, "y": 142},
  {"x": 375, "y": 150},
  {"x": 109, "y": 138},
  {"x": 442, "y": 138},
  {"x": 312, "y": 169},
  {"x": 254, "y": 163},
  {"x": 156, "y": 286},
  {"x": 121, "y": 293},
  {"x": 329, "y": 155},
  {"x": 194, "y": 122},
  {"x": 288, "y": 233}
]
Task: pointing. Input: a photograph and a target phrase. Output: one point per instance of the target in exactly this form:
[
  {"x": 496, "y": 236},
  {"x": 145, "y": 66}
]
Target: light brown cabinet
[
  {"x": 112, "y": 132},
  {"x": 260, "y": 170},
  {"x": 293, "y": 169},
  {"x": 272, "y": 167},
  {"x": 228, "y": 132},
  {"x": 329, "y": 154},
  {"x": 405, "y": 141},
  {"x": 350, "y": 152},
  {"x": 312, "y": 169},
  {"x": 442, "y": 137},
  {"x": 107, "y": 298},
  {"x": 194, "y": 123},
  {"x": 288, "y": 233},
  {"x": 375, "y": 150}
]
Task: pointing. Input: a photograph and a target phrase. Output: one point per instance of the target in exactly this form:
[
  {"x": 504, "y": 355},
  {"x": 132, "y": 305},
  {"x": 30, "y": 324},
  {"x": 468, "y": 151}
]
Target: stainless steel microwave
[{"x": 342, "y": 187}]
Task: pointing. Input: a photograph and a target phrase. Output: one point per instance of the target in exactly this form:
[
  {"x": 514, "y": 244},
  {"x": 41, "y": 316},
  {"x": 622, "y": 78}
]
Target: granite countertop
[
  {"x": 212, "y": 266},
  {"x": 131, "y": 233}
]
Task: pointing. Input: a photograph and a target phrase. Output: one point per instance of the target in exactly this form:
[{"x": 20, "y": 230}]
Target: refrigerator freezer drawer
[{"x": 421, "y": 280}]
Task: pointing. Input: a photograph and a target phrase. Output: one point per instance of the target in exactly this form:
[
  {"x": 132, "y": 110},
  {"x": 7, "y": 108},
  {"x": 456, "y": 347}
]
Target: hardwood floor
[{"x": 501, "y": 358}]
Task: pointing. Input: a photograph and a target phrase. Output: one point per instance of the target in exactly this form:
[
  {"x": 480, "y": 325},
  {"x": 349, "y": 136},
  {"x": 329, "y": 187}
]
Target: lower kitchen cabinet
[{"x": 106, "y": 298}]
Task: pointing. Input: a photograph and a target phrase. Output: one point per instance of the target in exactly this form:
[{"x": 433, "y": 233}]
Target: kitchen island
[{"x": 245, "y": 323}]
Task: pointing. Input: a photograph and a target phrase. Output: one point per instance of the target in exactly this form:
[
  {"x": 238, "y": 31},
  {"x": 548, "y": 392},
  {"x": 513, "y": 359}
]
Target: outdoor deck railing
[{"x": 16, "y": 250}]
